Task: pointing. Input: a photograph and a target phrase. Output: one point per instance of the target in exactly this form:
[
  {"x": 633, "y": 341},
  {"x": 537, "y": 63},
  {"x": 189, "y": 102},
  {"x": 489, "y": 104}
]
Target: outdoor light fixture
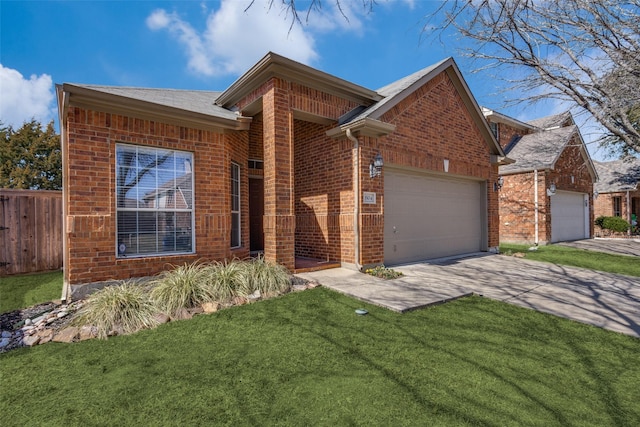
[
  {"x": 498, "y": 184},
  {"x": 595, "y": 194},
  {"x": 375, "y": 168},
  {"x": 551, "y": 190}
]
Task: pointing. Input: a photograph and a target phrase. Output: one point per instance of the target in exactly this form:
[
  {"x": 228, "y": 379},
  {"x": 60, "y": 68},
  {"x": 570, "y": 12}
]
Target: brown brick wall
[
  {"x": 90, "y": 194},
  {"x": 604, "y": 204},
  {"x": 517, "y": 196}
]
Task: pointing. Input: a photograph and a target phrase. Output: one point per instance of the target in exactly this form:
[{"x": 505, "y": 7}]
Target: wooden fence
[{"x": 30, "y": 231}]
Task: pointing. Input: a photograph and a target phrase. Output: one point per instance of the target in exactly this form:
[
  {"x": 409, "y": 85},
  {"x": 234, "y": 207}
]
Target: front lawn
[
  {"x": 26, "y": 290},
  {"x": 307, "y": 359},
  {"x": 564, "y": 255}
]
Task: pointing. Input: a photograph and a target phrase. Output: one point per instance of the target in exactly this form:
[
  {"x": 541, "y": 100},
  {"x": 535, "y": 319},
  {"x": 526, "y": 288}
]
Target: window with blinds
[{"x": 154, "y": 197}]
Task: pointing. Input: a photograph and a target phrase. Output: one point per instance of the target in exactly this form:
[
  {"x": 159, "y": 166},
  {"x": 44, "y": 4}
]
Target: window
[
  {"x": 617, "y": 206},
  {"x": 235, "y": 205},
  {"x": 495, "y": 130},
  {"x": 154, "y": 197}
]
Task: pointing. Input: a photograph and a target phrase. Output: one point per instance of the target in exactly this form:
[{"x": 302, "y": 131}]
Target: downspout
[
  {"x": 535, "y": 205},
  {"x": 356, "y": 198},
  {"x": 62, "y": 118}
]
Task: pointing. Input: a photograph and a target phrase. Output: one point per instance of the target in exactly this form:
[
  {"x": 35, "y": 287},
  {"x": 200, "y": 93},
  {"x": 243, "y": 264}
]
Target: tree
[
  {"x": 30, "y": 158},
  {"x": 586, "y": 52}
]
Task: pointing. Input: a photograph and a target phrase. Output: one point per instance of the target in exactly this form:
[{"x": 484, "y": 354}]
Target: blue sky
[{"x": 207, "y": 45}]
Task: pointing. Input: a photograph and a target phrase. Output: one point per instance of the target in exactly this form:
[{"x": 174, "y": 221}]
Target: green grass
[
  {"x": 307, "y": 359},
  {"x": 26, "y": 290},
  {"x": 563, "y": 255}
]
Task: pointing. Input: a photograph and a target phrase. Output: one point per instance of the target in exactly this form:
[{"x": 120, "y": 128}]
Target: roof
[
  {"x": 197, "y": 101},
  {"x": 618, "y": 175},
  {"x": 553, "y": 121},
  {"x": 539, "y": 150}
]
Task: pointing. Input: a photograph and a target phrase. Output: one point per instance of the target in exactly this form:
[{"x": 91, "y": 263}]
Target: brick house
[
  {"x": 618, "y": 190},
  {"x": 281, "y": 162},
  {"x": 546, "y": 195}
]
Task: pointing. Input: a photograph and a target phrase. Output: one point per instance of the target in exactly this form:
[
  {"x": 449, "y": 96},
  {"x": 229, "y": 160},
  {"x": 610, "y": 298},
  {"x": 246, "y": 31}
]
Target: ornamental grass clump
[
  {"x": 225, "y": 280},
  {"x": 185, "y": 286},
  {"x": 125, "y": 308},
  {"x": 270, "y": 279}
]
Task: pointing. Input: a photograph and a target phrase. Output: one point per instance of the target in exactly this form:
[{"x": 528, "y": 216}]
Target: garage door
[
  {"x": 569, "y": 216},
  {"x": 429, "y": 216}
]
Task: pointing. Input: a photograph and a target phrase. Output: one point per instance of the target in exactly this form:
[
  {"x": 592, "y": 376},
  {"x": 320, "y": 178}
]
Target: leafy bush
[
  {"x": 600, "y": 221},
  {"x": 383, "y": 272},
  {"x": 125, "y": 307},
  {"x": 185, "y": 286},
  {"x": 269, "y": 278},
  {"x": 615, "y": 223}
]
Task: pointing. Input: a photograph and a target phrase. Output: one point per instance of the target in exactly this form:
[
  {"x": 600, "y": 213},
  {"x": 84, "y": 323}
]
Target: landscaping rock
[
  {"x": 45, "y": 335},
  {"x": 66, "y": 335},
  {"x": 181, "y": 314},
  {"x": 4, "y": 342},
  {"x": 255, "y": 296},
  {"x": 87, "y": 332},
  {"x": 5, "y": 334},
  {"x": 239, "y": 301},
  {"x": 210, "y": 307},
  {"x": 196, "y": 310},
  {"x": 31, "y": 340},
  {"x": 298, "y": 288},
  {"x": 161, "y": 318}
]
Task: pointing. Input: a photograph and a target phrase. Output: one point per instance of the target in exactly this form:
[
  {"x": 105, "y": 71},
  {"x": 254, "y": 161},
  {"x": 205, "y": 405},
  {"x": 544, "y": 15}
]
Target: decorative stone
[
  {"x": 298, "y": 288},
  {"x": 87, "y": 332},
  {"x": 181, "y": 314},
  {"x": 312, "y": 285},
  {"x": 4, "y": 342},
  {"x": 62, "y": 314},
  {"x": 210, "y": 307},
  {"x": 239, "y": 301},
  {"x": 196, "y": 310},
  {"x": 30, "y": 340},
  {"x": 5, "y": 334},
  {"x": 28, "y": 322},
  {"x": 255, "y": 296},
  {"x": 45, "y": 336},
  {"x": 161, "y": 318},
  {"x": 66, "y": 335}
]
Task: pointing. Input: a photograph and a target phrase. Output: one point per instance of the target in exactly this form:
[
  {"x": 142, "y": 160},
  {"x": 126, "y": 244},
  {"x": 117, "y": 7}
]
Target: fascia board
[{"x": 363, "y": 127}]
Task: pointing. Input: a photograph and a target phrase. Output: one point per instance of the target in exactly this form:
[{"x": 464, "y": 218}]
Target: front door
[{"x": 256, "y": 212}]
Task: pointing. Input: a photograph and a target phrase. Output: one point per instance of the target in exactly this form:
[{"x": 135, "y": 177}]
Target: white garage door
[
  {"x": 569, "y": 216},
  {"x": 429, "y": 217}
]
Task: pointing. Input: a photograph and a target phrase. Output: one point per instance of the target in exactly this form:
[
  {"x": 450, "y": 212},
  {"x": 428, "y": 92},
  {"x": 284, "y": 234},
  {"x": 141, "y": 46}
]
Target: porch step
[{"x": 307, "y": 265}]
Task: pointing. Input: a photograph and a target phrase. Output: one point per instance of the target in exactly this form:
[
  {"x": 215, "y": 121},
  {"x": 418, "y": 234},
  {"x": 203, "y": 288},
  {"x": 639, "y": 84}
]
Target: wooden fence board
[{"x": 31, "y": 231}]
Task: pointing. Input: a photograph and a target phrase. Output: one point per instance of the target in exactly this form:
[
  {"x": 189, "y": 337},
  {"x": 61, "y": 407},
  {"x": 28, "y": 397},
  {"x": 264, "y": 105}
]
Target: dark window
[
  {"x": 235, "y": 205},
  {"x": 617, "y": 206}
]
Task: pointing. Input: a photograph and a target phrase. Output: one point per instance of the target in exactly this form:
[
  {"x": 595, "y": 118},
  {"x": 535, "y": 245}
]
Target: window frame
[
  {"x": 617, "y": 206},
  {"x": 236, "y": 206},
  {"x": 156, "y": 211}
]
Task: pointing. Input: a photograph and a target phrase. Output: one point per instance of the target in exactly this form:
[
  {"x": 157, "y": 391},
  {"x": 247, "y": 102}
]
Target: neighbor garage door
[
  {"x": 429, "y": 216},
  {"x": 569, "y": 216}
]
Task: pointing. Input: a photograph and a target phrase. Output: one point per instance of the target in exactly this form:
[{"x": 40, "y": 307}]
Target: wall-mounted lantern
[
  {"x": 551, "y": 190},
  {"x": 375, "y": 168},
  {"x": 497, "y": 186}
]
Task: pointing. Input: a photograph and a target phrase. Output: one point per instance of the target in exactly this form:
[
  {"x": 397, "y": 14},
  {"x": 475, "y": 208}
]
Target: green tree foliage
[{"x": 30, "y": 157}]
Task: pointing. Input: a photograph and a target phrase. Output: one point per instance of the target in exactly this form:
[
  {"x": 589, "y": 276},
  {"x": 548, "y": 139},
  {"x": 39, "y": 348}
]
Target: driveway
[
  {"x": 629, "y": 247},
  {"x": 602, "y": 299}
]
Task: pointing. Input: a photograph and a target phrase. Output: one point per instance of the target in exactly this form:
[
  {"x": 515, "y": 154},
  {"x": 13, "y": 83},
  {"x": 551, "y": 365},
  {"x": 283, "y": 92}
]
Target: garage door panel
[
  {"x": 568, "y": 219},
  {"x": 430, "y": 217}
]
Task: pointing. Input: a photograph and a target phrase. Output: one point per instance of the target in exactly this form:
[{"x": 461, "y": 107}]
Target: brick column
[{"x": 279, "y": 208}]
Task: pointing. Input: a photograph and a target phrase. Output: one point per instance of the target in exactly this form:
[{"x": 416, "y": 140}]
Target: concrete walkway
[{"x": 606, "y": 300}]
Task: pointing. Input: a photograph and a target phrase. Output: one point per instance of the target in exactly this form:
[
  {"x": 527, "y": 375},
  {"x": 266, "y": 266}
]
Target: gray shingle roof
[
  {"x": 551, "y": 121},
  {"x": 196, "y": 101},
  {"x": 618, "y": 175},
  {"x": 395, "y": 89},
  {"x": 539, "y": 150}
]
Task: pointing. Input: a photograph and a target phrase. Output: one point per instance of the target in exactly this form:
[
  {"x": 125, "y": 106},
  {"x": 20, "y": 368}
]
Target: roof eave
[
  {"x": 364, "y": 127},
  {"x": 112, "y": 103}
]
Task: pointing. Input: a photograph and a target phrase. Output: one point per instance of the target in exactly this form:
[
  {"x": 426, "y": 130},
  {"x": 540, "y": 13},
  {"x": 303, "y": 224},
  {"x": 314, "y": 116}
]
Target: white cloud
[
  {"x": 25, "y": 99},
  {"x": 235, "y": 37}
]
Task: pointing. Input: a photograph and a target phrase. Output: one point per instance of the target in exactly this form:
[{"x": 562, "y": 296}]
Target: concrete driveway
[
  {"x": 630, "y": 247},
  {"x": 606, "y": 300}
]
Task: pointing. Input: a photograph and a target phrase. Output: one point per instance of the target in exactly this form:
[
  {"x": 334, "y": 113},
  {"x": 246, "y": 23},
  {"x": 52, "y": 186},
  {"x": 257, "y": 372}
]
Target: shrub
[
  {"x": 615, "y": 223},
  {"x": 185, "y": 286},
  {"x": 269, "y": 278},
  {"x": 383, "y": 272},
  {"x": 225, "y": 279},
  {"x": 600, "y": 221},
  {"x": 125, "y": 308}
]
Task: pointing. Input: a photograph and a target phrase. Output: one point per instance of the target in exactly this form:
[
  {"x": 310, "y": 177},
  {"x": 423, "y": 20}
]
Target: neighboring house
[
  {"x": 618, "y": 190},
  {"x": 546, "y": 194},
  {"x": 282, "y": 162}
]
